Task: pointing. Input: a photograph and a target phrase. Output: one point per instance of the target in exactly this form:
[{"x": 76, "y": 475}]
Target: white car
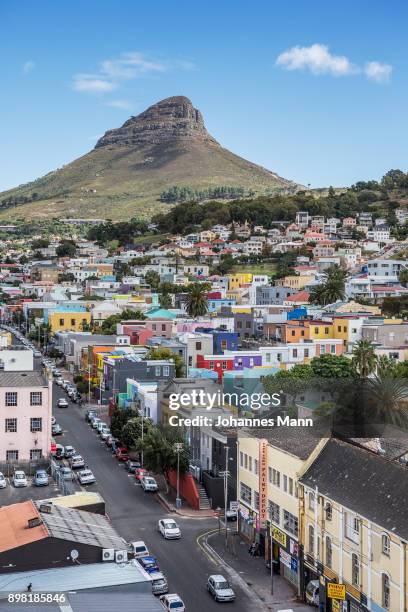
[
  {"x": 77, "y": 462},
  {"x": 86, "y": 477},
  {"x": 169, "y": 529},
  {"x": 3, "y": 481},
  {"x": 220, "y": 588},
  {"x": 149, "y": 484},
  {"x": 105, "y": 433},
  {"x": 172, "y": 603},
  {"x": 140, "y": 549},
  {"x": 20, "y": 479},
  {"x": 59, "y": 382},
  {"x": 62, "y": 403}
]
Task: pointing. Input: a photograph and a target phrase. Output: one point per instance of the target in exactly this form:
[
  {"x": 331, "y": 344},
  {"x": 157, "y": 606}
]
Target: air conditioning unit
[
  {"x": 121, "y": 556},
  {"x": 108, "y": 554}
]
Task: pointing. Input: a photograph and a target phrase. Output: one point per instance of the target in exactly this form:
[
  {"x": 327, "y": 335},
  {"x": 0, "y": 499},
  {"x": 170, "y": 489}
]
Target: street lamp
[
  {"x": 178, "y": 447},
  {"x": 225, "y": 475}
]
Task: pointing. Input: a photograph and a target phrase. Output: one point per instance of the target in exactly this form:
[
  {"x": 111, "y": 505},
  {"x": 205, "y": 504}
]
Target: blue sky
[{"x": 315, "y": 91}]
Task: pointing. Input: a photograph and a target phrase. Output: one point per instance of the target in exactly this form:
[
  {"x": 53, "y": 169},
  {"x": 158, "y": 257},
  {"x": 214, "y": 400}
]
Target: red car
[
  {"x": 122, "y": 454},
  {"x": 139, "y": 473}
]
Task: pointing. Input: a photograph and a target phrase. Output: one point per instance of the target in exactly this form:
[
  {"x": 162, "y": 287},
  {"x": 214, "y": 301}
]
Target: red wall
[{"x": 188, "y": 490}]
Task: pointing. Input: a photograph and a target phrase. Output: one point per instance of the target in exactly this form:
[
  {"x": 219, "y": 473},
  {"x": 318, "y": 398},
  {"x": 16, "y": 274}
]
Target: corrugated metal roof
[
  {"x": 22, "y": 379},
  {"x": 75, "y": 577},
  {"x": 84, "y": 527}
]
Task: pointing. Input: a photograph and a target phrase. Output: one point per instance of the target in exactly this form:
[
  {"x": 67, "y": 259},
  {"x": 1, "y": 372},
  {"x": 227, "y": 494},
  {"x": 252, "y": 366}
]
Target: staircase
[{"x": 204, "y": 501}]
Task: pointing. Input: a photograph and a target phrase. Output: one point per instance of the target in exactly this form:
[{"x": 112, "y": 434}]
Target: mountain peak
[{"x": 171, "y": 119}]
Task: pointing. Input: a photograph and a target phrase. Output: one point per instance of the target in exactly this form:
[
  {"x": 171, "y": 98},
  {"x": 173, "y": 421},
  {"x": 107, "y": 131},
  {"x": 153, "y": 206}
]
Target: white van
[{"x": 312, "y": 593}]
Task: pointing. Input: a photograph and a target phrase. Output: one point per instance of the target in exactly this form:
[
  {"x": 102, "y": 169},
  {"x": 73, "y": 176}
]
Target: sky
[{"x": 315, "y": 91}]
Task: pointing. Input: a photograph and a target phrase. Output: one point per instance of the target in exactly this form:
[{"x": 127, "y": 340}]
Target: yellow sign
[
  {"x": 336, "y": 591},
  {"x": 279, "y": 536},
  {"x": 263, "y": 482},
  {"x": 335, "y": 606}
]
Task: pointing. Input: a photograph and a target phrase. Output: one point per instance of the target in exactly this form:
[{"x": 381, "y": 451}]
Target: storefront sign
[
  {"x": 263, "y": 483},
  {"x": 293, "y": 564},
  {"x": 279, "y": 536},
  {"x": 244, "y": 512},
  {"x": 234, "y": 506},
  {"x": 335, "y": 606},
  {"x": 294, "y": 548},
  {"x": 285, "y": 558},
  {"x": 336, "y": 591}
]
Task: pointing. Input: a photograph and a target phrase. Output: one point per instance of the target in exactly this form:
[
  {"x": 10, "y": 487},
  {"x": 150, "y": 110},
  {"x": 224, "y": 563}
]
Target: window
[
  {"x": 311, "y": 540},
  {"x": 322, "y": 349},
  {"x": 329, "y": 552},
  {"x": 256, "y": 500},
  {"x": 73, "y": 322},
  {"x": 326, "y": 331},
  {"x": 198, "y": 346},
  {"x": 385, "y": 544},
  {"x": 157, "y": 371},
  {"x": 224, "y": 365},
  {"x": 211, "y": 365},
  {"x": 12, "y": 455},
  {"x": 270, "y": 475},
  {"x": 250, "y": 464},
  {"x": 290, "y": 486},
  {"x": 154, "y": 326},
  {"x": 248, "y": 324},
  {"x": 285, "y": 483},
  {"x": 10, "y": 425},
  {"x": 256, "y": 466},
  {"x": 316, "y": 330},
  {"x": 245, "y": 493},
  {"x": 295, "y": 353},
  {"x": 333, "y": 349},
  {"x": 329, "y": 512},
  {"x": 293, "y": 332},
  {"x": 351, "y": 527},
  {"x": 290, "y": 523},
  {"x": 311, "y": 501},
  {"x": 279, "y": 357},
  {"x": 274, "y": 512},
  {"x": 190, "y": 361},
  {"x": 166, "y": 370},
  {"x": 61, "y": 321},
  {"x": 11, "y": 398},
  {"x": 355, "y": 570},
  {"x": 306, "y": 352},
  {"x": 163, "y": 327},
  {"x": 241, "y": 459},
  {"x": 385, "y": 591},
  {"x": 35, "y": 424},
  {"x": 276, "y": 478},
  {"x": 245, "y": 461},
  {"x": 339, "y": 328},
  {"x": 36, "y": 398},
  {"x": 35, "y": 453}
]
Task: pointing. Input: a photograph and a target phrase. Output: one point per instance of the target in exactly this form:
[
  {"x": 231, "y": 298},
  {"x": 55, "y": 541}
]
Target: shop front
[{"x": 285, "y": 555}]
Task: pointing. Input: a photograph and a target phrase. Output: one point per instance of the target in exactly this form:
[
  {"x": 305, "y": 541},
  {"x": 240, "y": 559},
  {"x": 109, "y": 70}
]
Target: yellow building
[
  {"x": 66, "y": 319},
  {"x": 320, "y": 330},
  {"x": 353, "y": 527},
  {"x": 268, "y": 469},
  {"x": 236, "y": 281},
  {"x": 295, "y": 281},
  {"x": 5, "y": 339}
]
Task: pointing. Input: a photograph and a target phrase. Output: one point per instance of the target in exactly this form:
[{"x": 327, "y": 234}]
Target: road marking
[{"x": 205, "y": 550}]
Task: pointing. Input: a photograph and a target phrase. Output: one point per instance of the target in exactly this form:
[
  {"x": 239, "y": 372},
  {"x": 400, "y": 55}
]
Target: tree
[
  {"x": 132, "y": 431},
  {"x": 119, "y": 419},
  {"x": 364, "y": 358},
  {"x": 332, "y": 367},
  {"x": 109, "y": 325},
  {"x": 289, "y": 382},
  {"x": 196, "y": 302},
  {"x": 403, "y": 277},
  {"x": 152, "y": 278},
  {"x": 165, "y": 300},
  {"x": 332, "y": 289},
  {"x": 164, "y": 353},
  {"x": 40, "y": 243},
  {"x": 67, "y": 248},
  {"x": 159, "y": 452}
]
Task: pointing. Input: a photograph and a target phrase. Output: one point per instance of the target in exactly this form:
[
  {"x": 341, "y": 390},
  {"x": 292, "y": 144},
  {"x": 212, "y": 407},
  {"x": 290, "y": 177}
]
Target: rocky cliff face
[{"x": 172, "y": 119}]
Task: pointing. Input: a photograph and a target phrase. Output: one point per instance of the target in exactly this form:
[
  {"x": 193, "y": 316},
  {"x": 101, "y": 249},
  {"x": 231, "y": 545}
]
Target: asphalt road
[{"x": 135, "y": 515}]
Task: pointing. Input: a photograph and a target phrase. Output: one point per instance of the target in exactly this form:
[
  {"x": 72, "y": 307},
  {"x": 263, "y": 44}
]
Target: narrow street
[{"x": 135, "y": 515}]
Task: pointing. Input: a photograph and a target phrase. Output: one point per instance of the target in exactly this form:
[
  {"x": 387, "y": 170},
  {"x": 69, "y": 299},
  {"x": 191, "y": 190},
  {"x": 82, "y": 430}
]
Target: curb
[{"x": 170, "y": 508}]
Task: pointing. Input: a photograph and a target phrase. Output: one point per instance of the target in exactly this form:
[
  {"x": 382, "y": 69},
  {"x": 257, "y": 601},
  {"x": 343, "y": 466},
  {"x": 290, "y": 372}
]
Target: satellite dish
[{"x": 74, "y": 554}]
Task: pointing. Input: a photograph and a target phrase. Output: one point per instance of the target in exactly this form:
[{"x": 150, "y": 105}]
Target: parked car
[
  {"x": 89, "y": 414},
  {"x": 62, "y": 403},
  {"x": 169, "y": 529},
  {"x": 232, "y": 515},
  {"x": 86, "y": 477},
  {"x": 65, "y": 472},
  {"x": 37, "y": 354},
  {"x": 172, "y": 602},
  {"x": 110, "y": 440},
  {"x": 220, "y": 588},
  {"x": 312, "y": 592},
  {"x": 70, "y": 451},
  {"x": 140, "y": 549},
  {"x": 132, "y": 465},
  {"x": 53, "y": 420},
  {"x": 3, "y": 481},
  {"x": 56, "y": 430},
  {"x": 140, "y": 473},
  {"x": 20, "y": 479},
  {"x": 149, "y": 564},
  {"x": 65, "y": 384},
  {"x": 122, "y": 453},
  {"x": 41, "y": 478},
  {"x": 58, "y": 381},
  {"x": 159, "y": 583},
  {"x": 59, "y": 451},
  {"x": 149, "y": 484},
  {"x": 57, "y": 374},
  {"x": 76, "y": 462},
  {"x": 101, "y": 425},
  {"x": 104, "y": 434},
  {"x": 94, "y": 422}
]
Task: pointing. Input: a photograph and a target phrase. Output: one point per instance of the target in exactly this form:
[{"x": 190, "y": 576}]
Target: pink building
[
  {"x": 334, "y": 347},
  {"x": 25, "y": 416}
]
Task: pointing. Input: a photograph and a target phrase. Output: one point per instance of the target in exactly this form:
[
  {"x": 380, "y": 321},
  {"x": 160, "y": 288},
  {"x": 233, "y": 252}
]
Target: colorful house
[{"x": 65, "y": 318}]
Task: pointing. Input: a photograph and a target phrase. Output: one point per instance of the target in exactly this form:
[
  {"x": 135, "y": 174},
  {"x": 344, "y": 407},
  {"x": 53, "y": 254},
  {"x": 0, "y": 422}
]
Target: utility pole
[
  {"x": 225, "y": 475},
  {"x": 178, "y": 447}
]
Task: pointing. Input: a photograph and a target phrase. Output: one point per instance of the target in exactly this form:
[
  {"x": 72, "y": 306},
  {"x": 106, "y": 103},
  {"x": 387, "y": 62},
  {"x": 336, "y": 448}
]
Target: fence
[
  {"x": 66, "y": 487},
  {"x": 29, "y": 467}
]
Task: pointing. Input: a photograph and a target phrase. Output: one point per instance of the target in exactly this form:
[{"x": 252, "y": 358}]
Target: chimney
[{"x": 34, "y": 522}]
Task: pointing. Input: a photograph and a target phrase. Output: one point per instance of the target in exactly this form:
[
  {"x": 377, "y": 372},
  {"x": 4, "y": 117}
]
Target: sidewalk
[
  {"x": 168, "y": 500},
  {"x": 254, "y": 573}
]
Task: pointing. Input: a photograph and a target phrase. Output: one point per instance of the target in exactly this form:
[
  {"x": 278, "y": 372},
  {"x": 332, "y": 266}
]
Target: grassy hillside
[{"x": 120, "y": 182}]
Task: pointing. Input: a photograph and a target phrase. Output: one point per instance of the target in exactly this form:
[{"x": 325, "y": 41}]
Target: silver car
[
  {"x": 220, "y": 588},
  {"x": 159, "y": 583}
]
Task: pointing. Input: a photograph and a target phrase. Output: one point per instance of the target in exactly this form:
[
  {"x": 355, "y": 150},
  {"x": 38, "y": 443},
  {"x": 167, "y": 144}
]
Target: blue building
[{"x": 222, "y": 340}]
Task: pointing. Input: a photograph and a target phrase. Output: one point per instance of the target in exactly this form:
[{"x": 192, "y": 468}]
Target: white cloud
[
  {"x": 378, "y": 71},
  {"x": 92, "y": 83},
  {"x": 28, "y": 67},
  {"x": 129, "y": 66},
  {"x": 317, "y": 59},
  {"x": 121, "y": 104}
]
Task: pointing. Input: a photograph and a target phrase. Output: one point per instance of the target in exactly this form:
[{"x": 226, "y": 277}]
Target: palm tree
[
  {"x": 196, "y": 302},
  {"x": 364, "y": 358},
  {"x": 165, "y": 300},
  {"x": 332, "y": 289}
]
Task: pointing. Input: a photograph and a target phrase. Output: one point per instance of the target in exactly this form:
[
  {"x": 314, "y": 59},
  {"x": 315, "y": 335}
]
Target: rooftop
[
  {"x": 296, "y": 441},
  {"x": 22, "y": 379},
  {"x": 14, "y": 531}
]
